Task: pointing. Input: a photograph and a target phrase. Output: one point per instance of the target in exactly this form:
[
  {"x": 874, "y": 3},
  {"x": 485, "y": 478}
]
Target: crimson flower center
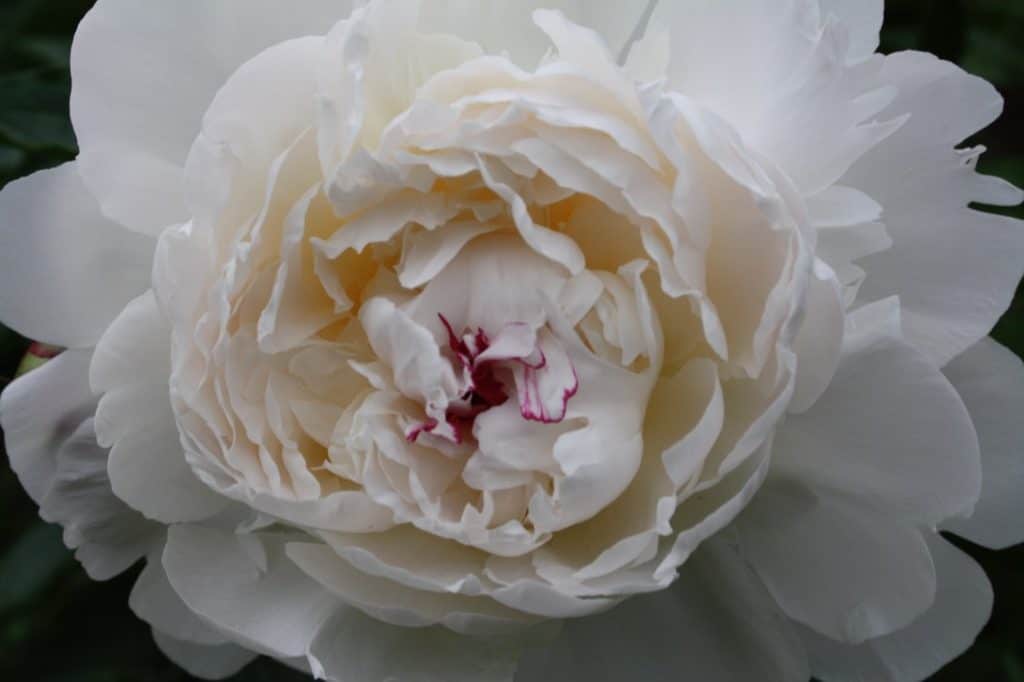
[{"x": 491, "y": 371}]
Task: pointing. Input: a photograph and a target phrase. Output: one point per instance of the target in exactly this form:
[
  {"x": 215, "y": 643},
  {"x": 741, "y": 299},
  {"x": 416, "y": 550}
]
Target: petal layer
[{"x": 65, "y": 270}]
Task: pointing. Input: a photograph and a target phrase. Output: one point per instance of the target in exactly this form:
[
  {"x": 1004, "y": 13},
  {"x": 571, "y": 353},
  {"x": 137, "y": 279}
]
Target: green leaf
[{"x": 31, "y": 564}]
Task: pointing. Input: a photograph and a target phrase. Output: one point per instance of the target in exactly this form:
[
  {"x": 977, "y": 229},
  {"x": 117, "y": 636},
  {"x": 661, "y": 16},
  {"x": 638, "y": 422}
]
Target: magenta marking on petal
[
  {"x": 538, "y": 413},
  {"x": 453, "y": 339},
  {"x": 426, "y": 427},
  {"x": 487, "y": 390},
  {"x": 535, "y": 366},
  {"x": 482, "y": 341}
]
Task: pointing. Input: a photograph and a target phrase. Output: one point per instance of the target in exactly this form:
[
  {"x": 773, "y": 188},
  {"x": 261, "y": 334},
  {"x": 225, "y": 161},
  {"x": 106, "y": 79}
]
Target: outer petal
[
  {"x": 778, "y": 74},
  {"x": 717, "y": 623},
  {"x": 207, "y": 662},
  {"x": 145, "y": 74},
  {"x": 155, "y": 601},
  {"x": 391, "y": 602},
  {"x": 962, "y": 606},
  {"x": 818, "y": 345},
  {"x": 108, "y": 535},
  {"x": 66, "y": 270},
  {"x": 53, "y": 450},
  {"x": 147, "y": 464},
  {"x": 849, "y": 572},
  {"x": 890, "y": 431},
  {"x": 863, "y": 20},
  {"x": 39, "y": 412},
  {"x": 260, "y": 598},
  {"x": 506, "y": 26},
  {"x": 990, "y": 380},
  {"x": 954, "y": 269},
  {"x": 352, "y": 647}
]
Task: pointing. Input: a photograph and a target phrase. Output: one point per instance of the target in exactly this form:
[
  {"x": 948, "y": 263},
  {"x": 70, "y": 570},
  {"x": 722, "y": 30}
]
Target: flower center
[{"x": 515, "y": 362}]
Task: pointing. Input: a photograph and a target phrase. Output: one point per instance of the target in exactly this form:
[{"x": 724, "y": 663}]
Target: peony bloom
[{"x": 446, "y": 340}]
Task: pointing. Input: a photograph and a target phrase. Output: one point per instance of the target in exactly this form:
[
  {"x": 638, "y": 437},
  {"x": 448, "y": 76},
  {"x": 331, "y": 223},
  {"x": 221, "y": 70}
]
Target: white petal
[
  {"x": 255, "y": 152},
  {"x": 108, "y": 536},
  {"x": 272, "y": 606},
  {"x": 398, "y": 555},
  {"x": 819, "y": 343},
  {"x": 483, "y": 287},
  {"x": 890, "y": 431},
  {"x": 522, "y": 589},
  {"x": 427, "y": 253},
  {"x": 40, "y": 411},
  {"x": 840, "y": 206},
  {"x": 346, "y": 511},
  {"x": 67, "y": 271},
  {"x": 382, "y": 222},
  {"x": 716, "y": 624},
  {"x": 684, "y": 417},
  {"x": 410, "y": 351},
  {"x": 52, "y": 447},
  {"x": 778, "y": 74},
  {"x": 507, "y": 27},
  {"x": 144, "y": 76},
  {"x": 352, "y": 647},
  {"x": 851, "y": 573},
  {"x": 298, "y": 307},
  {"x": 147, "y": 465},
  {"x": 154, "y": 600},
  {"x": 207, "y": 662},
  {"x": 702, "y": 515},
  {"x": 863, "y": 20},
  {"x": 990, "y": 379},
  {"x": 135, "y": 348},
  {"x": 544, "y": 392},
  {"x": 148, "y": 471},
  {"x": 962, "y": 606},
  {"x": 400, "y": 605},
  {"x": 553, "y": 245},
  {"x": 955, "y": 269},
  {"x": 379, "y": 61}
]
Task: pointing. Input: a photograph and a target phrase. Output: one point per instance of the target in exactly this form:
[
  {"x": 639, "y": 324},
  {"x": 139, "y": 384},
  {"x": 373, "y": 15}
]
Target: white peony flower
[{"x": 446, "y": 340}]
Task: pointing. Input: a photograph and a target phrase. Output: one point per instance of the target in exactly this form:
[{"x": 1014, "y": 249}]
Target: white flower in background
[{"x": 449, "y": 340}]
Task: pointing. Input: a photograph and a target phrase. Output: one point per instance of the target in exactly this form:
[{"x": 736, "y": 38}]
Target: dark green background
[{"x": 57, "y": 625}]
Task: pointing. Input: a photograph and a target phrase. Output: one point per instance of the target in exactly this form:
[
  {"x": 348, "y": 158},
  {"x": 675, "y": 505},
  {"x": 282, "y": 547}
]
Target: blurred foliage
[{"x": 56, "y": 625}]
